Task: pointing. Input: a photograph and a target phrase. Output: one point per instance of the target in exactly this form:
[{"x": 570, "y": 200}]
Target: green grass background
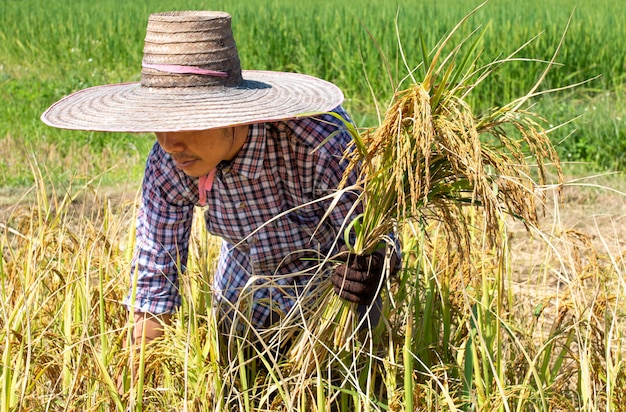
[{"x": 51, "y": 48}]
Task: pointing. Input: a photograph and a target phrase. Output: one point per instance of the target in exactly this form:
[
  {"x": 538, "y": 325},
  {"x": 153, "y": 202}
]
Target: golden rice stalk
[{"x": 431, "y": 157}]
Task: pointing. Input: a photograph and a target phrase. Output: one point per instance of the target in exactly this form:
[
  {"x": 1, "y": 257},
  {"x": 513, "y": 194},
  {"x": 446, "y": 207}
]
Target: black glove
[{"x": 357, "y": 279}]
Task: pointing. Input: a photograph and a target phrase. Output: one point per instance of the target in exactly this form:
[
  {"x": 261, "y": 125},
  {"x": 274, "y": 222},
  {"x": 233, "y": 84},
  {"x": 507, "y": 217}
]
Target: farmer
[{"x": 256, "y": 149}]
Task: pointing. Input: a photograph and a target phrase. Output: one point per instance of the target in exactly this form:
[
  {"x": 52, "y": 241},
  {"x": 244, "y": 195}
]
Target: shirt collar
[{"x": 249, "y": 160}]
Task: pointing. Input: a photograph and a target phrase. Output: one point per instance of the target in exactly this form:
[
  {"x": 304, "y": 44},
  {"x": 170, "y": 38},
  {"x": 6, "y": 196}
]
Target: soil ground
[
  {"x": 584, "y": 234},
  {"x": 593, "y": 211}
]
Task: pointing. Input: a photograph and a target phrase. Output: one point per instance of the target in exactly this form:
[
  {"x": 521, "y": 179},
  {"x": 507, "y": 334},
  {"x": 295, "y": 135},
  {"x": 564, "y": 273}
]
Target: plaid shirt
[{"x": 282, "y": 165}]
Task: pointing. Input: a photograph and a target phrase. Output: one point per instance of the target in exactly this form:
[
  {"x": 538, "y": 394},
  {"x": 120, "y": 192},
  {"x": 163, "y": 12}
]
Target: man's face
[{"x": 197, "y": 152}]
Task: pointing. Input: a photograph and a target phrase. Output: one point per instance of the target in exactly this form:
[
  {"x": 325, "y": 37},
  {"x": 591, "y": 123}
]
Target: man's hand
[
  {"x": 146, "y": 326},
  {"x": 358, "y": 278}
]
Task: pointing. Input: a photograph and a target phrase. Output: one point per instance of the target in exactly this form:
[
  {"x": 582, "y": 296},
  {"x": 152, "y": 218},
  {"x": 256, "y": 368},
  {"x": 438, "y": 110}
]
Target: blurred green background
[{"x": 51, "y": 48}]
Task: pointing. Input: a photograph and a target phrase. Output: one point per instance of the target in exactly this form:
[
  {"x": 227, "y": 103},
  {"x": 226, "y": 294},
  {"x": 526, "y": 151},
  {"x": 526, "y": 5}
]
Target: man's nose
[{"x": 171, "y": 143}]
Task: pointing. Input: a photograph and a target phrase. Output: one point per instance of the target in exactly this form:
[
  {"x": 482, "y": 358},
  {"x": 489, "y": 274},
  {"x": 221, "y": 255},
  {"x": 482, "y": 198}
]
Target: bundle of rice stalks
[{"x": 432, "y": 157}]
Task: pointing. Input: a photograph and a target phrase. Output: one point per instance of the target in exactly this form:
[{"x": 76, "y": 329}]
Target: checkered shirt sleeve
[{"x": 162, "y": 235}]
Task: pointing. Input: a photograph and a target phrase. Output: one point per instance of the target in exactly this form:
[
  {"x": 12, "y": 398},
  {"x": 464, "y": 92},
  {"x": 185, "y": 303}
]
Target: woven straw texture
[{"x": 165, "y": 101}]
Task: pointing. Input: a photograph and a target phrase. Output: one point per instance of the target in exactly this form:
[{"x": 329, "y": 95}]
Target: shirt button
[{"x": 243, "y": 205}]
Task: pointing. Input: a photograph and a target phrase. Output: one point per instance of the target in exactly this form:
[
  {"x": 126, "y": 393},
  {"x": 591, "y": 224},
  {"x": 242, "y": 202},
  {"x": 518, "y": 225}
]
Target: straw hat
[{"x": 191, "y": 79}]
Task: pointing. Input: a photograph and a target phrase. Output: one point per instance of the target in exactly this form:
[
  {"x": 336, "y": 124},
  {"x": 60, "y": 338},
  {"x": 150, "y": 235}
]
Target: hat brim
[{"x": 264, "y": 96}]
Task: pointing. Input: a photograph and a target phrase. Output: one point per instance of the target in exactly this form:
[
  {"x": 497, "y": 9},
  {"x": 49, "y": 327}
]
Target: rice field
[
  {"x": 531, "y": 320},
  {"x": 48, "y": 49}
]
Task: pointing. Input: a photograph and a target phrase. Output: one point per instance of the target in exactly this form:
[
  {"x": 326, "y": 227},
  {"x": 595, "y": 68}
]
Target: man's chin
[
  {"x": 191, "y": 168},
  {"x": 194, "y": 174}
]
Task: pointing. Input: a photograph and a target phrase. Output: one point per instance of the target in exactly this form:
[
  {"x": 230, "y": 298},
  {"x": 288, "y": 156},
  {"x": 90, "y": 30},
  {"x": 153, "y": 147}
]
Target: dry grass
[{"x": 547, "y": 325}]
